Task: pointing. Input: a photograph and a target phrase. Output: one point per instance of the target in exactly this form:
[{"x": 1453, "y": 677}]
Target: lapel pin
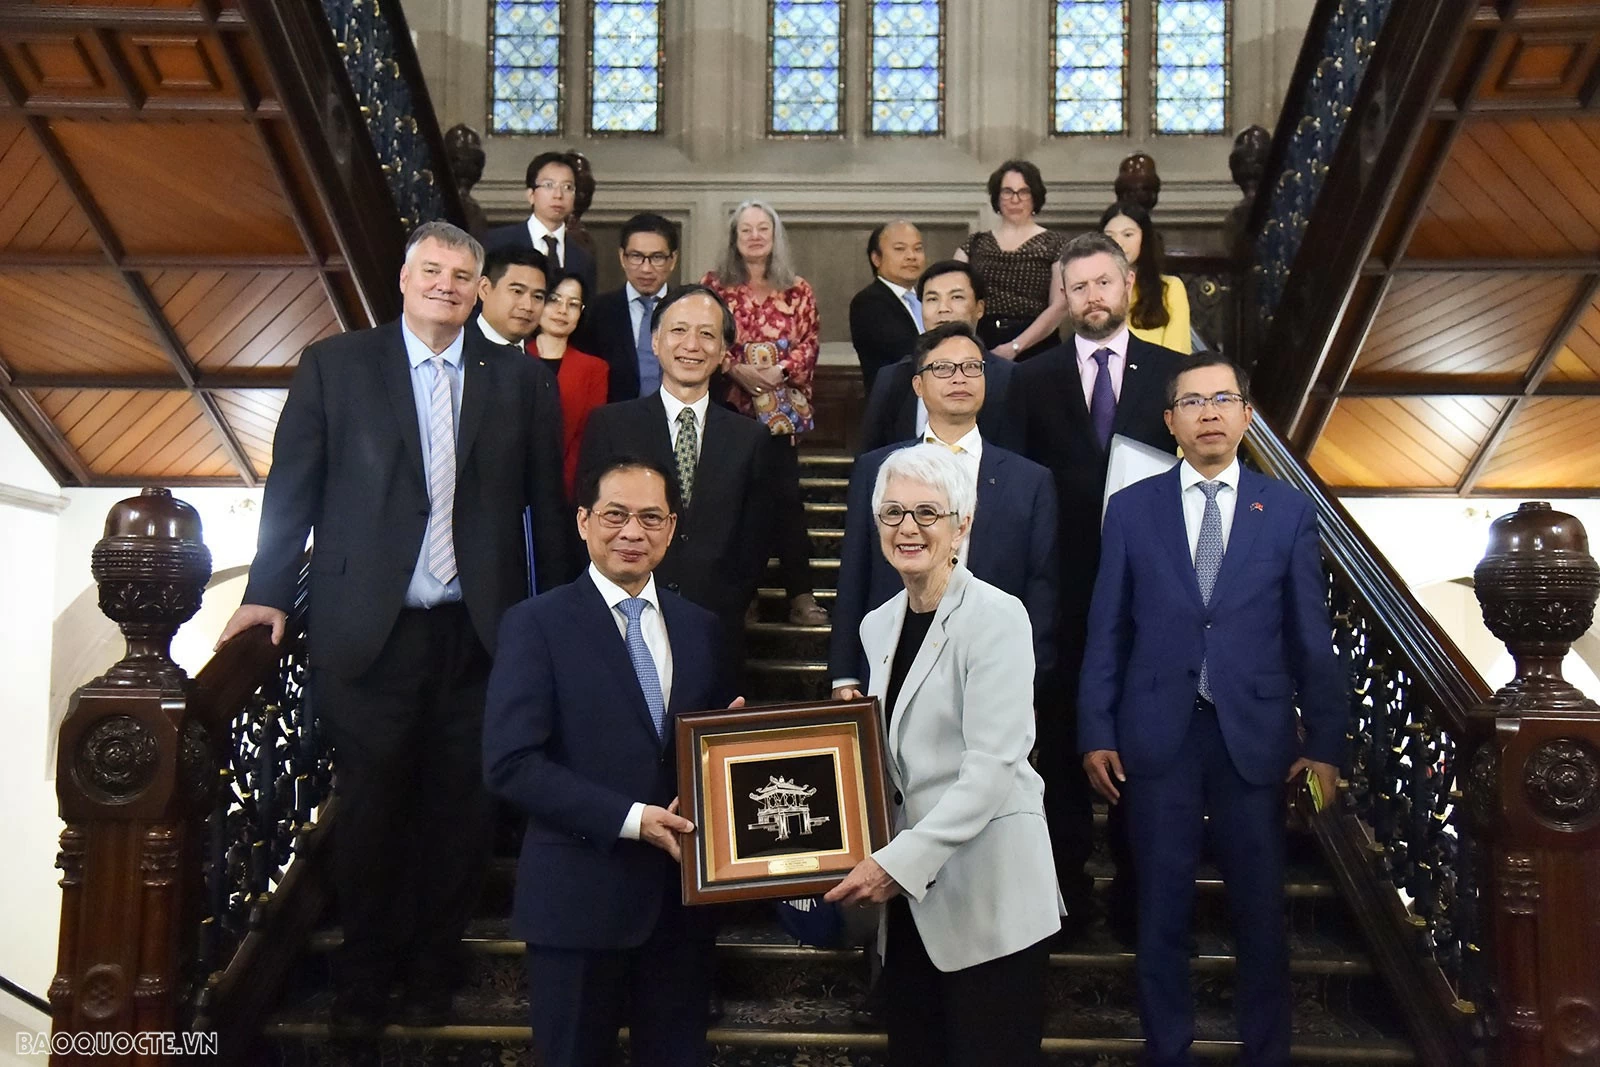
[
  {"x": 1133, "y": 366},
  {"x": 1257, "y": 507}
]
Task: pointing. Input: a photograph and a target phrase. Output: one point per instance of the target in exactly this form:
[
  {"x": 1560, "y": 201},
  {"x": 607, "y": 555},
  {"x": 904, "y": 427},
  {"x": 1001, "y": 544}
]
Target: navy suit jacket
[
  {"x": 891, "y": 414},
  {"x": 567, "y": 739},
  {"x": 1265, "y": 637},
  {"x": 1013, "y": 547},
  {"x": 516, "y": 235},
  {"x": 611, "y": 330}
]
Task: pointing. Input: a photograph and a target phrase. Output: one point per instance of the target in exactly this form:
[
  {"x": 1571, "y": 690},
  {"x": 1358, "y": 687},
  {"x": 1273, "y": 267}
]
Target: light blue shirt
[{"x": 426, "y": 591}]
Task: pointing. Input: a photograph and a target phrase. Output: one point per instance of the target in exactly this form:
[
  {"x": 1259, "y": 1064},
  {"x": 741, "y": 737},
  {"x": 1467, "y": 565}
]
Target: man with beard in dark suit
[
  {"x": 722, "y": 543},
  {"x": 1069, "y": 402},
  {"x": 410, "y": 451}
]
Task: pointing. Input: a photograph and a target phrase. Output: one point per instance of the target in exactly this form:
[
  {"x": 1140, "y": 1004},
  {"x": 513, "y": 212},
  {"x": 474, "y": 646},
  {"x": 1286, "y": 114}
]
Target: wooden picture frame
[{"x": 785, "y": 798}]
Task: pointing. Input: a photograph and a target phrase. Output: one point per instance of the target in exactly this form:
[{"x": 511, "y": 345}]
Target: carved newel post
[
  {"x": 131, "y": 770},
  {"x": 1534, "y": 790}
]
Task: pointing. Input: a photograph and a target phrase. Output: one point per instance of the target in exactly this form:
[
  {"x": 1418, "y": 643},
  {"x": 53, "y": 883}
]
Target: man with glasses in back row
[
  {"x": 552, "y": 194},
  {"x": 618, "y": 322},
  {"x": 1208, "y": 624}
]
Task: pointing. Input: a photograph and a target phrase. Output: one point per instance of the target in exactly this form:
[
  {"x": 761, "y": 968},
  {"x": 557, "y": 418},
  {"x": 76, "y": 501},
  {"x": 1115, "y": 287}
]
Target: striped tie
[
  {"x": 1208, "y": 560},
  {"x": 440, "y": 540}
]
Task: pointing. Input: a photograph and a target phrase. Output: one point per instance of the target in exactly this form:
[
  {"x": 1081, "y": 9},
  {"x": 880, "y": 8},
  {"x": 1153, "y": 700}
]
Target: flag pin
[{"x": 1257, "y": 507}]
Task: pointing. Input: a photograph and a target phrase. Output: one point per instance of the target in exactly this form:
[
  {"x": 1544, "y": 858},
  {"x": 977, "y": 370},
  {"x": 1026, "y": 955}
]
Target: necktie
[
  {"x": 932, "y": 439},
  {"x": 644, "y": 668},
  {"x": 649, "y": 368},
  {"x": 552, "y": 254},
  {"x": 440, "y": 538},
  {"x": 913, "y": 306},
  {"x": 1208, "y": 559},
  {"x": 686, "y": 450},
  {"x": 1103, "y": 401}
]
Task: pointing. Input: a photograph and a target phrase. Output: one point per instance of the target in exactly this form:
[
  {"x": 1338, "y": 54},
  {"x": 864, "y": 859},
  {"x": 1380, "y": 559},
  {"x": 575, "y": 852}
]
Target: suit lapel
[
  {"x": 989, "y": 473},
  {"x": 1076, "y": 408},
  {"x": 878, "y": 680},
  {"x": 479, "y": 382},
  {"x": 1174, "y": 531},
  {"x": 1247, "y": 522},
  {"x": 715, "y": 455},
  {"x": 608, "y": 644},
  {"x": 685, "y": 657},
  {"x": 395, "y": 369},
  {"x": 1138, "y": 377},
  {"x": 658, "y": 439},
  {"x": 928, "y": 654}
]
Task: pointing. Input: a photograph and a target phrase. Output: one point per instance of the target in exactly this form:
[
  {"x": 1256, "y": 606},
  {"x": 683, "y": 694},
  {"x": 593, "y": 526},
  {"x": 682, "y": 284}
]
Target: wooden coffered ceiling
[
  {"x": 165, "y": 253},
  {"x": 1467, "y": 360}
]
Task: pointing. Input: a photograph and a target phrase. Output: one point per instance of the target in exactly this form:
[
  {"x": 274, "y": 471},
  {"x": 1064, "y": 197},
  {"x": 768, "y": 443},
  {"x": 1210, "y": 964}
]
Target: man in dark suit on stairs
[
  {"x": 1012, "y": 543},
  {"x": 552, "y": 194},
  {"x": 410, "y": 451},
  {"x": 1209, "y": 624},
  {"x": 886, "y": 316},
  {"x": 619, "y": 321},
  {"x": 723, "y": 540},
  {"x": 1068, "y": 403},
  {"x": 579, "y": 736}
]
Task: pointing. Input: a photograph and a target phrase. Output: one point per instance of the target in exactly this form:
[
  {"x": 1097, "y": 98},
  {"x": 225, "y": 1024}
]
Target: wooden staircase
[{"x": 790, "y": 1004}]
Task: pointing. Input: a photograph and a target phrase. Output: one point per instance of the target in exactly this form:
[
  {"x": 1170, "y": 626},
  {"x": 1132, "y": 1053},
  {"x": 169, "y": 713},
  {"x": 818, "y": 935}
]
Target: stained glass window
[
  {"x": 525, "y": 44},
  {"x": 1090, "y": 61},
  {"x": 624, "y": 66},
  {"x": 1191, "y": 67},
  {"x": 907, "y": 73},
  {"x": 805, "y": 65}
]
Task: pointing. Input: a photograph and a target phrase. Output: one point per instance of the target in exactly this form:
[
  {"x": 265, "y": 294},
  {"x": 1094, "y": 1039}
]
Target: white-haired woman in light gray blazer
[{"x": 968, "y": 876}]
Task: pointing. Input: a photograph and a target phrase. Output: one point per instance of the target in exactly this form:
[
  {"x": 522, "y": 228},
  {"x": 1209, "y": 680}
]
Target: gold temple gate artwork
[{"x": 781, "y": 800}]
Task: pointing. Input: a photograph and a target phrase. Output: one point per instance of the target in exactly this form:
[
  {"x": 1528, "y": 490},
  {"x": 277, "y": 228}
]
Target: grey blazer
[{"x": 970, "y": 847}]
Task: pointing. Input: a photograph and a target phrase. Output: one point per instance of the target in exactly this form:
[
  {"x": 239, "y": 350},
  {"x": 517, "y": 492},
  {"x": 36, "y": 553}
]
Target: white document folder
[{"x": 1130, "y": 461}]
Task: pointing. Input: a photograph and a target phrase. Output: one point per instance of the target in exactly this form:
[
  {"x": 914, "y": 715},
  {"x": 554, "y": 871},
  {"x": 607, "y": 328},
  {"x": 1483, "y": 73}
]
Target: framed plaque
[{"x": 785, "y": 798}]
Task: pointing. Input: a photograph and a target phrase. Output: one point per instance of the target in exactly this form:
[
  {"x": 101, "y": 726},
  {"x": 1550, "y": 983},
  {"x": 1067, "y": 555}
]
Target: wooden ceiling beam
[
  {"x": 33, "y": 17},
  {"x": 206, "y": 261},
  {"x": 44, "y": 437},
  {"x": 1399, "y": 386},
  {"x": 1531, "y": 381},
  {"x": 1569, "y": 265},
  {"x": 275, "y": 378}
]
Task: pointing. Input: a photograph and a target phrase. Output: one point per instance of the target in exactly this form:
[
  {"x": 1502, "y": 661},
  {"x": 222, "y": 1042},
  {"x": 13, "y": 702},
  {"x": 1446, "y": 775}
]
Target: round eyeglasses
[{"x": 922, "y": 515}]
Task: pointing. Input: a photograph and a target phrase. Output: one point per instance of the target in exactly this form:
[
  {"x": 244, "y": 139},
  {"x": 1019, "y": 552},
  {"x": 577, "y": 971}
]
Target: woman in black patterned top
[{"x": 1018, "y": 263}]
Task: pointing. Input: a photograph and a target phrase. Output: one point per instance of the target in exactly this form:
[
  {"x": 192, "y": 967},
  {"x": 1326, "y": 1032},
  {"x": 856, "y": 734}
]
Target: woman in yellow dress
[{"x": 1159, "y": 309}]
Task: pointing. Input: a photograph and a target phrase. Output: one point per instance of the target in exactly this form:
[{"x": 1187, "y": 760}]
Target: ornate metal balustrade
[{"x": 1332, "y": 64}]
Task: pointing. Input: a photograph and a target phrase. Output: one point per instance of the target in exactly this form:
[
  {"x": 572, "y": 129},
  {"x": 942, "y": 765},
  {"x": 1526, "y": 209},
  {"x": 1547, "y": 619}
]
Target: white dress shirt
[
  {"x": 674, "y": 405},
  {"x": 654, "y": 629},
  {"x": 537, "y": 231},
  {"x": 1194, "y": 501},
  {"x": 900, "y": 293},
  {"x": 493, "y": 334},
  {"x": 1088, "y": 369}
]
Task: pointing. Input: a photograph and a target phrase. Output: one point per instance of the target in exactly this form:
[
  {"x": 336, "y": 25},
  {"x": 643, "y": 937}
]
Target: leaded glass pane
[
  {"x": 907, "y": 91},
  {"x": 805, "y": 65},
  {"x": 1191, "y": 68},
  {"x": 625, "y": 66},
  {"x": 1090, "y": 62},
  {"x": 526, "y": 73}
]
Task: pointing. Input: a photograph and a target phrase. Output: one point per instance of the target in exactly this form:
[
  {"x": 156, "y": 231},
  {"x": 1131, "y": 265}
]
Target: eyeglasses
[
  {"x": 556, "y": 187},
  {"x": 922, "y": 515},
  {"x": 655, "y": 259},
  {"x": 1227, "y": 403},
  {"x": 617, "y": 518},
  {"x": 571, "y": 303},
  {"x": 1015, "y": 194},
  {"x": 972, "y": 368}
]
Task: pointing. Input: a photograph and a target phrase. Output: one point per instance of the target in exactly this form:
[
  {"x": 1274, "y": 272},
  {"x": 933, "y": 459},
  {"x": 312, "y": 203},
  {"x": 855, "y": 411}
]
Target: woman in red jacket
[{"x": 581, "y": 378}]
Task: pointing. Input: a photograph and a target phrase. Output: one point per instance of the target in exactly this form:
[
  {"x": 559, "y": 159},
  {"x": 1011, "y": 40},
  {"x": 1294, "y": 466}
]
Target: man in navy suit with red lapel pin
[
  {"x": 578, "y": 735},
  {"x": 1208, "y": 623}
]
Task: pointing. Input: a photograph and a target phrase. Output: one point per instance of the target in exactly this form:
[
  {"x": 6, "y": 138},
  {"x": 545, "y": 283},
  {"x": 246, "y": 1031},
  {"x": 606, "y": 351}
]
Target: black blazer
[
  {"x": 610, "y": 325},
  {"x": 881, "y": 329},
  {"x": 891, "y": 415},
  {"x": 568, "y": 740},
  {"x": 1047, "y": 402},
  {"x": 1013, "y": 548},
  {"x": 722, "y": 544},
  {"x": 347, "y": 464},
  {"x": 516, "y": 235}
]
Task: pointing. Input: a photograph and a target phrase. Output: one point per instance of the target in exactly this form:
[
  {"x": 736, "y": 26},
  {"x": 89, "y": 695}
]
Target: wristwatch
[{"x": 1014, "y": 349}]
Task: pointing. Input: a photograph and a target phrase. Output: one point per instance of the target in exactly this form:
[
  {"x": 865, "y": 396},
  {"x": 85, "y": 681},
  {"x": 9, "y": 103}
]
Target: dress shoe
[{"x": 805, "y": 611}]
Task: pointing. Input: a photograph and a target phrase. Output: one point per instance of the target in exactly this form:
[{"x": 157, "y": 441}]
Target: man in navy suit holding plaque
[
  {"x": 1208, "y": 625},
  {"x": 578, "y": 735}
]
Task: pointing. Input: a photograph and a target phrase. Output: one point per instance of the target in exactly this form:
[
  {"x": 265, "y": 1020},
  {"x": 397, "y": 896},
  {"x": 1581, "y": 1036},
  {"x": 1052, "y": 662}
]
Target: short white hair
[
  {"x": 934, "y": 466},
  {"x": 447, "y": 234}
]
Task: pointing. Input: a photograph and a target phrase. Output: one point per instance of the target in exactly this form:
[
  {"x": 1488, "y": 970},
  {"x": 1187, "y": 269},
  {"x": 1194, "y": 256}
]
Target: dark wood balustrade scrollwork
[{"x": 184, "y": 802}]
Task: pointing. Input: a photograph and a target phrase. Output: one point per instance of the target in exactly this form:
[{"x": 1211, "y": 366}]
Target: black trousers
[
  {"x": 660, "y": 990},
  {"x": 994, "y": 332},
  {"x": 789, "y": 517},
  {"x": 1068, "y": 798},
  {"x": 414, "y": 822},
  {"x": 988, "y": 1015}
]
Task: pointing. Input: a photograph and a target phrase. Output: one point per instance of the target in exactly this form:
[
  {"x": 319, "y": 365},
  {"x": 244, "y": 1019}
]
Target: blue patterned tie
[
  {"x": 914, "y": 306},
  {"x": 644, "y": 668},
  {"x": 1208, "y": 559},
  {"x": 1103, "y": 401},
  {"x": 649, "y": 366}
]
